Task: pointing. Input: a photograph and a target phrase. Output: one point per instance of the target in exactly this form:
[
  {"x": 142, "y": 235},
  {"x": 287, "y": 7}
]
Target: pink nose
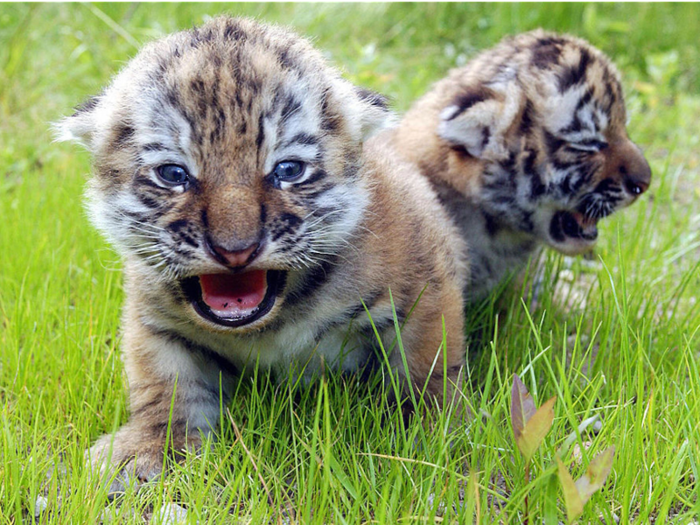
[{"x": 235, "y": 258}]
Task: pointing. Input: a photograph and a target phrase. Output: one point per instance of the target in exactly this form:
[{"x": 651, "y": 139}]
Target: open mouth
[
  {"x": 234, "y": 300},
  {"x": 573, "y": 225}
]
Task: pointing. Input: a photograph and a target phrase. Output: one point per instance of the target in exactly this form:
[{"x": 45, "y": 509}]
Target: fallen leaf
[
  {"x": 522, "y": 406},
  {"x": 572, "y": 500},
  {"x": 596, "y": 474},
  {"x": 536, "y": 429}
]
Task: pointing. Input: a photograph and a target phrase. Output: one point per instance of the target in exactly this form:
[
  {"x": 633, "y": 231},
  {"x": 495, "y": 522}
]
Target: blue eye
[
  {"x": 288, "y": 170},
  {"x": 172, "y": 174}
]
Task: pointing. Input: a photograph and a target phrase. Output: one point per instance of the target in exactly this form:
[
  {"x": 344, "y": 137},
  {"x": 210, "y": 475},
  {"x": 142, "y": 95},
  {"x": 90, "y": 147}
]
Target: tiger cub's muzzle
[{"x": 624, "y": 176}]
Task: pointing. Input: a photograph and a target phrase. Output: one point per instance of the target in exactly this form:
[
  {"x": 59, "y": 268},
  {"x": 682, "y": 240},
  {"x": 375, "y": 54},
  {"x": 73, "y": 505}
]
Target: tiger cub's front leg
[
  {"x": 174, "y": 398},
  {"x": 436, "y": 361}
]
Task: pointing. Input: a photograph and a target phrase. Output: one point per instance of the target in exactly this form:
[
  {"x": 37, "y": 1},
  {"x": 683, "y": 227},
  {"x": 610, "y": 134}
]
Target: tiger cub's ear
[
  {"x": 479, "y": 117},
  {"x": 366, "y": 112},
  {"x": 376, "y": 113},
  {"x": 81, "y": 125}
]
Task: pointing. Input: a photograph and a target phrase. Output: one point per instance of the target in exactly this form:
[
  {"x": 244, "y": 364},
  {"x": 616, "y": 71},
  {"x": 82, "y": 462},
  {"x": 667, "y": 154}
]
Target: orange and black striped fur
[
  {"x": 526, "y": 145},
  {"x": 256, "y": 224}
]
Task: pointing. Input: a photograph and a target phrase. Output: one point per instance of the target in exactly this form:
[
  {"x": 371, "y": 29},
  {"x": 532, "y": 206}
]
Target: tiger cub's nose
[
  {"x": 637, "y": 181},
  {"x": 233, "y": 258},
  {"x": 634, "y": 169}
]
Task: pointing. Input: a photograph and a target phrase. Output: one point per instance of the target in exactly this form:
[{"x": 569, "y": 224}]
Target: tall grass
[{"x": 615, "y": 335}]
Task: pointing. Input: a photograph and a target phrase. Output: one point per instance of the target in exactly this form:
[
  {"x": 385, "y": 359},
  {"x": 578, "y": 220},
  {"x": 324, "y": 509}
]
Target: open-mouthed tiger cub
[
  {"x": 526, "y": 145},
  {"x": 232, "y": 175}
]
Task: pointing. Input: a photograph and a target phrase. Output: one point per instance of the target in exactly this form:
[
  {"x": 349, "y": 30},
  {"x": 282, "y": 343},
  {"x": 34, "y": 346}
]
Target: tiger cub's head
[
  {"x": 544, "y": 117},
  {"x": 227, "y": 163}
]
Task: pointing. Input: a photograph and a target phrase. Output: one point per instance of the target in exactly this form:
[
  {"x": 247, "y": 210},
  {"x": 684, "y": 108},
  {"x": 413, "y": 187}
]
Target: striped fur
[
  {"x": 527, "y": 146},
  {"x": 228, "y": 101}
]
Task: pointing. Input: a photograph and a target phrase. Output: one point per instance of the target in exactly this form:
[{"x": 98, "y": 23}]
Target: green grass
[{"x": 617, "y": 336}]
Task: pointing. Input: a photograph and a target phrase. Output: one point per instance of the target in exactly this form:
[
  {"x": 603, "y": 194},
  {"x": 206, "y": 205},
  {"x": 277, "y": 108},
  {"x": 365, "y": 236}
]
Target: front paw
[{"x": 130, "y": 458}]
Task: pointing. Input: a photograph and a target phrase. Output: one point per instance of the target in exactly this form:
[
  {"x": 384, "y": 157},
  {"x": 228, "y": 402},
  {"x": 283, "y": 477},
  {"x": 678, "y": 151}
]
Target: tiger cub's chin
[
  {"x": 527, "y": 146},
  {"x": 257, "y": 226}
]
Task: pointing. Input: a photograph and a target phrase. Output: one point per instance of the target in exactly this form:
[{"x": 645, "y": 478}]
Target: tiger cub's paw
[{"x": 130, "y": 458}]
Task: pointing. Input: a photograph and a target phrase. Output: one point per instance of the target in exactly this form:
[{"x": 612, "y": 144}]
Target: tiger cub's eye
[
  {"x": 172, "y": 174},
  {"x": 288, "y": 170}
]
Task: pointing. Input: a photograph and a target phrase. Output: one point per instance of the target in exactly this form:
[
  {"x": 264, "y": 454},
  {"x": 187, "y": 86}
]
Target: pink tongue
[{"x": 233, "y": 294}]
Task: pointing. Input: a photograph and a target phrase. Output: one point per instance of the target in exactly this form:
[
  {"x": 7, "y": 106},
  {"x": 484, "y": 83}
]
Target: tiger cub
[
  {"x": 526, "y": 145},
  {"x": 232, "y": 174}
]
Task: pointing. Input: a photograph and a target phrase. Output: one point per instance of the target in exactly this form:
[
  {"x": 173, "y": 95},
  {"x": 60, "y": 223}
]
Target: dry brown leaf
[
  {"x": 572, "y": 500},
  {"x": 536, "y": 429},
  {"x": 596, "y": 474},
  {"x": 522, "y": 406}
]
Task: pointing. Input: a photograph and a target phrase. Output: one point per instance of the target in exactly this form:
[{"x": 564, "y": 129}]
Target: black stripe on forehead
[
  {"x": 303, "y": 139},
  {"x": 219, "y": 124},
  {"x": 609, "y": 79},
  {"x": 153, "y": 146},
  {"x": 613, "y": 90},
  {"x": 199, "y": 93},
  {"x": 546, "y": 52},
  {"x": 201, "y": 35},
  {"x": 173, "y": 99},
  {"x": 261, "y": 131},
  {"x": 291, "y": 106},
  {"x": 575, "y": 74}
]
